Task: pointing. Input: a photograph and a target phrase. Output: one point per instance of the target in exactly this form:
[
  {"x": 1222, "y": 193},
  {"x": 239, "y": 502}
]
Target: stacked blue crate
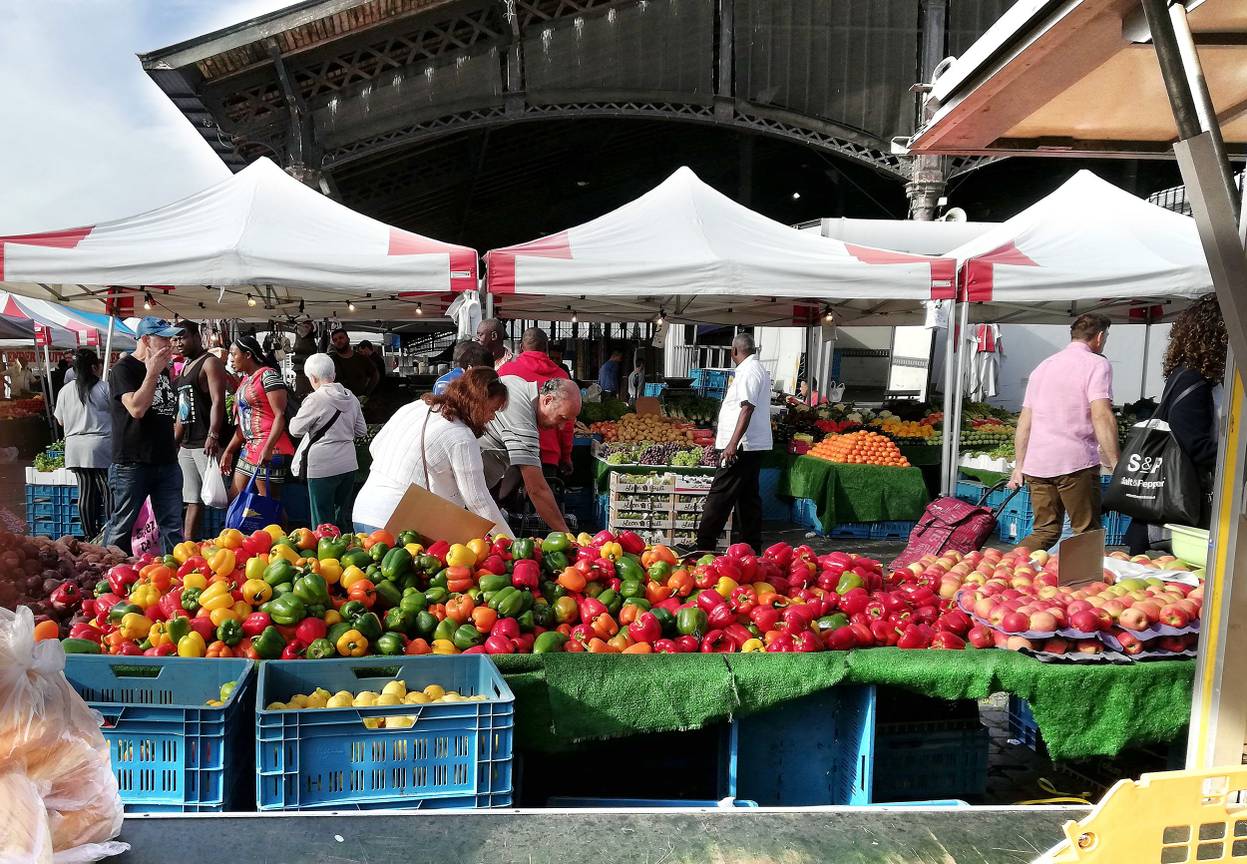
[{"x": 52, "y": 511}]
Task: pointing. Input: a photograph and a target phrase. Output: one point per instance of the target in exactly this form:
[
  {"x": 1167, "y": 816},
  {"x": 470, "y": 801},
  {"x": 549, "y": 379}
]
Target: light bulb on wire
[
  {"x": 250, "y": 300},
  {"x": 662, "y": 317},
  {"x": 148, "y": 301},
  {"x": 829, "y": 317},
  {"x": 419, "y": 308},
  {"x": 350, "y": 305}
]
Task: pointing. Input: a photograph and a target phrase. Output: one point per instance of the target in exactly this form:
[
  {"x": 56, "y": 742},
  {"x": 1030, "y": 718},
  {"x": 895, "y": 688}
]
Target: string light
[
  {"x": 148, "y": 301},
  {"x": 419, "y": 308},
  {"x": 350, "y": 305},
  {"x": 828, "y": 316},
  {"x": 662, "y": 317},
  {"x": 574, "y": 318},
  {"x": 250, "y": 300}
]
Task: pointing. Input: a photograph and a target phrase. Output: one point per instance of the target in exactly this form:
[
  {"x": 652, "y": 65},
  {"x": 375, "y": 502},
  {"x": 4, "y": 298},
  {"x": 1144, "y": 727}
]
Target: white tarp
[
  {"x": 686, "y": 249},
  {"x": 260, "y": 232},
  {"x": 69, "y": 327},
  {"x": 1090, "y": 244}
]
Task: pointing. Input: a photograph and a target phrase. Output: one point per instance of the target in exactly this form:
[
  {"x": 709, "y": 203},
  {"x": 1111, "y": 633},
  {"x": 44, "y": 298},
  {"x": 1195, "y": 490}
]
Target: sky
[{"x": 86, "y": 136}]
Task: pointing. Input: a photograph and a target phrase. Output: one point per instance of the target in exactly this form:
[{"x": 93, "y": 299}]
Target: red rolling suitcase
[{"x": 952, "y": 524}]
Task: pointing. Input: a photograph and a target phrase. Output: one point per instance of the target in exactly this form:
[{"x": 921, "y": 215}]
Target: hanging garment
[{"x": 465, "y": 311}]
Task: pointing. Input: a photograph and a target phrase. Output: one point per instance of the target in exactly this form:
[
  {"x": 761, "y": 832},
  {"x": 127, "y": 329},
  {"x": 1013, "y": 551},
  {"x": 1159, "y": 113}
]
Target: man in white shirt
[{"x": 744, "y": 437}]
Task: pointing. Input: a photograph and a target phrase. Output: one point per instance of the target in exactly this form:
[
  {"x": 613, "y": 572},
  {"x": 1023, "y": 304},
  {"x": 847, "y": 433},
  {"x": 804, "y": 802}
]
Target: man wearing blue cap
[{"x": 145, "y": 452}]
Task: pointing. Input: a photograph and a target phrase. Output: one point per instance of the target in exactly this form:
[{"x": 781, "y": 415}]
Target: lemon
[
  {"x": 397, "y": 688},
  {"x": 435, "y": 691},
  {"x": 317, "y": 700},
  {"x": 416, "y": 697},
  {"x": 339, "y": 700},
  {"x": 276, "y": 706},
  {"x": 373, "y": 722},
  {"x": 399, "y": 722},
  {"x": 452, "y": 697},
  {"x": 389, "y": 699},
  {"x": 299, "y": 700},
  {"x": 322, "y": 692},
  {"x": 365, "y": 699},
  {"x": 214, "y": 703},
  {"x": 452, "y": 692}
]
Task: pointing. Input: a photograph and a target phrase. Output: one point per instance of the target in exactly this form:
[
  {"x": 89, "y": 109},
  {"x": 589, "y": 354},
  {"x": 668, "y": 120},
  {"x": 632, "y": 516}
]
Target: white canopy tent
[
  {"x": 69, "y": 327},
  {"x": 685, "y": 249},
  {"x": 258, "y": 236}
]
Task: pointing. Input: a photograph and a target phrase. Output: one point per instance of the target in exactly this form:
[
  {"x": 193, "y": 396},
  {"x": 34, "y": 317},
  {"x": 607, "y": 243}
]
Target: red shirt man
[{"x": 533, "y": 364}]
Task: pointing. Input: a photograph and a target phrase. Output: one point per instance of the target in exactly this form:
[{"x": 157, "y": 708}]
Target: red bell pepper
[
  {"x": 475, "y": 649},
  {"x": 506, "y": 627},
  {"x": 439, "y": 550},
  {"x": 65, "y": 596},
  {"x": 782, "y": 644},
  {"x": 671, "y": 604},
  {"x": 716, "y": 642},
  {"x": 765, "y": 617},
  {"x": 254, "y": 624},
  {"x": 493, "y": 564},
  {"x": 705, "y": 576},
  {"x": 129, "y": 648},
  {"x": 165, "y": 649},
  {"x": 260, "y": 542},
  {"x": 720, "y": 616},
  {"x": 954, "y": 621},
  {"x": 915, "y": 635},
  {"x": 603, "y": 537},
  {"x": 121, "y": 577},
  {"x": 854, "y": 601},
  {"x": 582, "y": 633},
  {"x": 646, "y": 628},
  {"x": 738, "y": 633},
  {"x": 606, "y": 569},
  {"x": 631, "y": 542},
  {"x": 294, "y": 650},
  {"x": 666, "y": 646},
  {"x": 309, "y": 630},
  {"x": 155, "y": 613},
  {"x": 882, "y": 632},
  {"x": 729, "y": 567},
  {"x": 929, "y": 615},
  {"x": 743, "y": 600},
  {"x": 501, "y": 547},
  {"x": 326, "y": 529},
  {"x": 687, "y": 644},
  {"x": 591, "y": 608},
  {"x": 948, "y": 641},
  {"x": 499, "y": 645},
  {"x": 876, "y": 609},
  {"x": 862, "y": 633},
  {"x": 191, "y": 565},
  {"x": 841, "y": 639},
  {"x": 588, "y": 553},
  {"x": 779, "y": 553},
  {"x": 806, "y": 642},
  {"x": 204, "y": 627},
  {"x": 524, "y": 643},
  {"x": 526, "y": 574},
  {"x": 84, "y": 631}
]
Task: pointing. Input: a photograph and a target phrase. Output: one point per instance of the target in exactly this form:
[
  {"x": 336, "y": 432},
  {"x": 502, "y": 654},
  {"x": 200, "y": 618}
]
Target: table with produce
[{"x": 530, "y": 603}]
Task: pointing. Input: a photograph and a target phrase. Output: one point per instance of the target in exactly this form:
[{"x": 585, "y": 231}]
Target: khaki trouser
[{"x": 1077, "y": 494}]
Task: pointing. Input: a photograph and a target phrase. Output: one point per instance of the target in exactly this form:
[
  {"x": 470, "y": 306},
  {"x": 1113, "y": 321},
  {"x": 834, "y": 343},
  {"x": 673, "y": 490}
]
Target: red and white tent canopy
[
  {"x": 1087, "y": 246},
  {"x": 259, "y": 233},
  {"x": 686, "y": 249}
]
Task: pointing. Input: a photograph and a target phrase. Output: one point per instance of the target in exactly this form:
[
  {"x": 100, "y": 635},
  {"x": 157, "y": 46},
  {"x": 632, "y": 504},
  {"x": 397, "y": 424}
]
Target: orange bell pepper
[
  {"x": 459, "y": 608},
  {"x": 656, "y": 592},
  {"x": 458, "y": 579},
  {"x": 620, "y": 641},
  {"x": 572, "y": 579},
  {"x": 364, "y": 591},
  {"x": 382, "y": 536},
  {"x": 219, "y": 649},
  {"x": 574, "y": 647},
  {"x": 597, "y": 646},
  {"x": 604, "y": 626},
  {"x": 628, "y": 614},
  {"x": 419, "y": 646},
  {"x": 437, "y": 610},
  {"x": 639, "y": 648},
  {"x": 681, "y": 583},
  {"x": 48, "y": 629},
  {"x": 484, "y": 618},
  {"x": 158, "y": 575}
]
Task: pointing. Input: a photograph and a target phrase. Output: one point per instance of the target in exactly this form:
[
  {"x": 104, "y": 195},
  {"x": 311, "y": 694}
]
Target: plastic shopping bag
[
  {"x": 214, "y": 494},
  {"x": 58, "y": 796},
  {"x": 145, "y": 535},
  {"x": 252, "y": 511}
]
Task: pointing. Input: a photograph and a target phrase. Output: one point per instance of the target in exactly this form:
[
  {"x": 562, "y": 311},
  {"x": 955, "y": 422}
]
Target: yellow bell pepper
[
  {"x": 194, "y": 579},
  {"x": 332, "y": 616},
  {"x": 763, "y": 588},
  {"x": 583, "y": 539},
  {"x": 275, "y": 531},
  {"x": 283, "y": 551},
  {"x": 331, "y": 571},
  {"x": 612, "y": 551},
  {"x": 479, "y": 548},
  {"x": 184, "y": 551},
  {"x": 256, "y": 591},
  {"x": 460, "y": 556},
  {"x": 158, "y": 634},
  {"x": 444, "y": 646},
  {"x": 134, "y": 626},
  {"x": 414, "y": 549},
  {"x": 223, "y": 562},
  {"x": 192, "y": 645},
  {"x": 725, "y": 586},
  {"x": 352, "y": 644},
  {"x": 216, "y": 596},
  {"x": 230, "y": 538},
  {"x": 144, "y": 595},
  {"x": 351, "y": 575},
  {"x": 752, "y": 646},
  {"x": 242, "y": 609},
  {"x": 226, "y": 613},
  {"x": 254, "y": 568}
]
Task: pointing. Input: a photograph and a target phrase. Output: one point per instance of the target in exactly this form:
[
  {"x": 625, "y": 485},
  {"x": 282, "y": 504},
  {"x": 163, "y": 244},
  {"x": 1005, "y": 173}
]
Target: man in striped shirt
[{"x": 511, "y": 448}]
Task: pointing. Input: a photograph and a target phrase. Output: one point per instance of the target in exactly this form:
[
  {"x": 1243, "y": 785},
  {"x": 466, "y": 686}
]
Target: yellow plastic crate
[{"x": 1166, "y": 818}]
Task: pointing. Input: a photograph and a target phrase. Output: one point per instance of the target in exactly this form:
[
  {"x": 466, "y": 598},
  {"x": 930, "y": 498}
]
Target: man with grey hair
[
  {"x": 510, "y": 447},
  {"x": 743, "y": 438}
]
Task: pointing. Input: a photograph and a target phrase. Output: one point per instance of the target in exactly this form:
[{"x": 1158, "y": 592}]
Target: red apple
[
  {"x": 1085, "y": 620},
  {"x": 1019, "y": 643},
  {"x": 1133, "y": 619},
  {"x": 1077, "y": 606},
  {"x": 1089, "y": 646},
  {"x": 1042, "y": 621},
  {"x": 1129, "y": 643},
  {"x": 980, "y": 637},
  {"x": 1055, "y": 645},
  {"x": 1172, "y": 643},
  {"x": 1015, "y": 622},
  {"x": 1174, "y": 616}
]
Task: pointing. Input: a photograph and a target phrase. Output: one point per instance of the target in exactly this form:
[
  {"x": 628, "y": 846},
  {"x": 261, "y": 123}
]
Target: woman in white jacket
[
  {"x": 329, "y": 421},
  {"x": 432, "y": 443}
]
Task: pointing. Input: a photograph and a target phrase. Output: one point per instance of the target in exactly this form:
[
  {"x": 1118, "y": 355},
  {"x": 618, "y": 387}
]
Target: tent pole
[
  {"x": 953, "y": 432},
  {"x": 948, "y": 481},
  {"x": 1147, "y": 342},
  {"x": 47, "y": 374},
  {"x": 108, "y": 344}
]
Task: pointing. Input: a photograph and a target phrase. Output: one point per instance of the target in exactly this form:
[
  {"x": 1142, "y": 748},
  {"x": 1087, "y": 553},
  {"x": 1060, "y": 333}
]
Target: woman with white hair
[{"x": 329, "y": 421}]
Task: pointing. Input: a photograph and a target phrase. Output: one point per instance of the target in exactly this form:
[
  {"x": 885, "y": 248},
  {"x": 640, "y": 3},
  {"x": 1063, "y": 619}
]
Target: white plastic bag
[
  {"x": 58, "y": 796},
  {"x": 214, "y": 494}
]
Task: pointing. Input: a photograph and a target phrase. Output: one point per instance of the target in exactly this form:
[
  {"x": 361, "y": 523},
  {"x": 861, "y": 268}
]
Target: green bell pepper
[
  {"x": 378, "y": 552},
  {"x": 639, "y": 602},
  {"x": 552, "y": 591},
  {"x": 593, "y": 589},
  {"x": 527, "y": 621},
  {"x": 80, "y": 646},
  {"x": 190, "y": 599},
  {"x": 228, "y": 631},
  {"x": 397, "y": 619},
  {"x": 176, "y": 628},
  {"x": 118, "y": 611},
  {"x": 269, "y": 644},
  {"x": 369, "y": 626},
  {"x": 321, "y": 649},
  {"x": 467, "y": 636},
  {"x": 279, "y": 572},
  {"x": 848, "y": 581},
  {"x": 336, "y": 631},
  {"x": 388, "y": 595},
  {"x": 628, "y": 569},
  {"x": 412, "y": 601},
  {"x": 508, "y": 602},
  {"x": 445, "y": 629},
  {"x": 330, "y": 547},
  {"x": 287, "y": 609},
  {"x": 354, "y": 558},
  {"x": 691, "y": 621},
  {"x": 833, "y": 622},
  {"x": 666, "y": 619},
  {"x": 436, "y": 594},
  {"x": 658, "y": 571},
  {"x": 439, "y": 580},
  {"x": 521, "y": 549},
  {"x": 611, "y": 600},
  {"x": 426, "y": 623},
  {"x": 549, "y": 642},
  {"x": 631, "y": 588},
  {"x": 351, "y": 610},
  {"x": 312, "y": 589},
  {"x": 395, "y": 563},
  {"x": 390, "y": 644},
  {"x": 490, "y": 582},
  {"x": 556, "y": 541},
  {"x": 428, "y": 564},
  {"x": 407, "y": 537},
  {"x": 282, "y": 588},
  {"x": 554, "y": 562}
]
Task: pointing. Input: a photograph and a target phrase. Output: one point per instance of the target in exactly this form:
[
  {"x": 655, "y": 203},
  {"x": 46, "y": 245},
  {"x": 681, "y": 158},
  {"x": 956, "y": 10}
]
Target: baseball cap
[{"x": 153, "y": 326}]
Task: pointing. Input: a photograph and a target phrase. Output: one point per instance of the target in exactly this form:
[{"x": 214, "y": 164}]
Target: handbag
[
  {"x": 251, "y": 511},
  {"x": 299, "y": 463},
  {"x": 1155, "y": 481}
]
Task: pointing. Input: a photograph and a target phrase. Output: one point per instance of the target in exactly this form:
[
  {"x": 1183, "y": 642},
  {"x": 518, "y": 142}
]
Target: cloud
[{"x": 86, "y": 135}]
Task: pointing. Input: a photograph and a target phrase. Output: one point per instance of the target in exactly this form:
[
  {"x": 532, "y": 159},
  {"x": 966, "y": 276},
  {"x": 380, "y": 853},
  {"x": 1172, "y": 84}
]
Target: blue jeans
[{"x": 131, "y": 484}]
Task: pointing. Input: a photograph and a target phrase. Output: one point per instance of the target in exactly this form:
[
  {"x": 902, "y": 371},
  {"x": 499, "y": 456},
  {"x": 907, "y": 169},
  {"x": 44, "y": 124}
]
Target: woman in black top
[{"x": 1194, "y": 365}]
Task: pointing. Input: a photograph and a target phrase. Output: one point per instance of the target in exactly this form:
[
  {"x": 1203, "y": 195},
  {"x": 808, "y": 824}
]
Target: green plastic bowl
[{"x": 1190, "y": 544}]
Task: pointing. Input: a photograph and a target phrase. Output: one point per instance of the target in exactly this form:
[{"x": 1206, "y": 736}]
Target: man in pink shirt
[{"x": 1066, "y": 432}]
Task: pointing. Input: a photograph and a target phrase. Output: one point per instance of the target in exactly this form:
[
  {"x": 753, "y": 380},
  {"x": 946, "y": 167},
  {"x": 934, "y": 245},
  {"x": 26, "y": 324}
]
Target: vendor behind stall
[
  {"x": 533, "y": 364},
  {"x": 352, "y": 369}
]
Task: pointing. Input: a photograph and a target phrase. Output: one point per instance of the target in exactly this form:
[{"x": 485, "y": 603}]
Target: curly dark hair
[
  {"x": 1197, "y": 340},
  {"x": 471, "y": 398}
]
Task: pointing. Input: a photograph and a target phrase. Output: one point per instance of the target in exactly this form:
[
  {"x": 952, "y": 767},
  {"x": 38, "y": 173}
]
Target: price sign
[
  {"x": 43, "y": 335},
  {"x": 93, "y": 338}
]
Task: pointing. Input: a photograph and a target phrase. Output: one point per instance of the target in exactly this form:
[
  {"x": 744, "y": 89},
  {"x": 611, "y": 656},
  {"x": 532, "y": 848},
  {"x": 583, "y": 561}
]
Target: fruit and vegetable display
[
  {"x": 697, "y": 409},
  {"x": 860, "y": 448},
  {"x": 51, "y": 458},
  {"x": 984, "y": 434},
  {"x": 52, "y": 578},
  {"x": 924, "y": 431},
  {"x": 11, "y": 409},
  {"x": 651, "y": 428},
  {"x": 659, "y": 454},
  {"x": 607, "y": 409},
  {"x": 393, "y": 693}
]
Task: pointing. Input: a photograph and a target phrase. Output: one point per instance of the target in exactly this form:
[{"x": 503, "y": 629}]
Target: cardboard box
[{"x": 434, "y": 518}]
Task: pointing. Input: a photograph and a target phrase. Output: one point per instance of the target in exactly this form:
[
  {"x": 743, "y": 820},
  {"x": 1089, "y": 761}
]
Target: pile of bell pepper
[{"x": 315, "y": 594}]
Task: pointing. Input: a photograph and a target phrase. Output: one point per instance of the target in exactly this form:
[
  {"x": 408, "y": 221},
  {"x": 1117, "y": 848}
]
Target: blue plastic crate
[
  {"x": 810, "y": 751},
  {"x": 1115, "y": 525},
  {"x": 1022, "y": 726},
  {"x": 60, "y": 527},
  {"x": 170, "y": 751},
  {"x": 603, "y": 511},
  {"x": 928, "y": 760},
  {"x": 891, "y": 530},
  {"x": 654, "y": 389},
  {"x": 775, "y": 508},
  {"x": 805, "y": 515},
  {"x": 850, "y": 531},
  {"x": 644, "y": 803},
  {"x": 455, "y": 755},
  {"x": 211, "y": 522}
]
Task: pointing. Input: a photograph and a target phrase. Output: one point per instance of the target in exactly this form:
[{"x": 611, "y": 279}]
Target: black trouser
[
  {"x": 95, "y": 500},
  {"x": 736, "y": 484}
]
